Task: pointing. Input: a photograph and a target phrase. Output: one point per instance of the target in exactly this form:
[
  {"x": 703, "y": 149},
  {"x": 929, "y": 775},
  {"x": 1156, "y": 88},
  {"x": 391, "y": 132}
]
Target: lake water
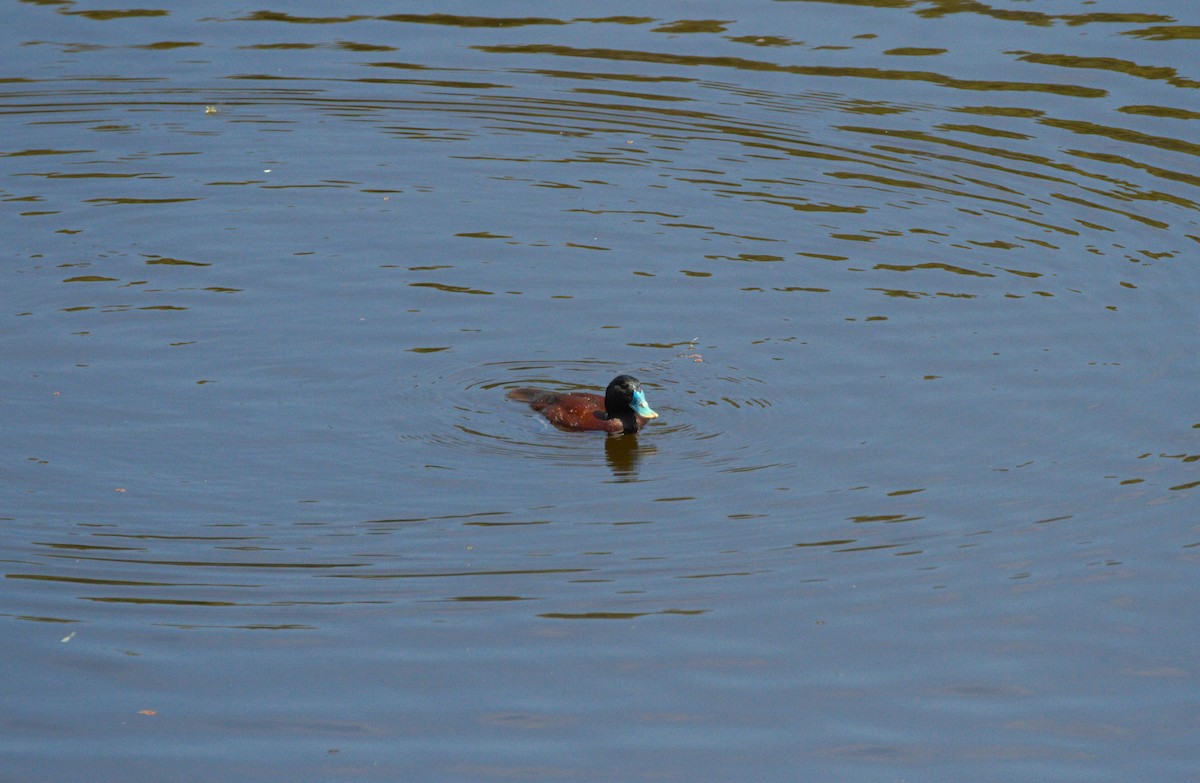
[{"x": 910, "y": 282}]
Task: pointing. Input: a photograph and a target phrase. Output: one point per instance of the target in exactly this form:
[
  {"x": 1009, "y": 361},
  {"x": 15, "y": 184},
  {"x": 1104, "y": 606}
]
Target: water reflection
[{"x": 624, "y": 456}]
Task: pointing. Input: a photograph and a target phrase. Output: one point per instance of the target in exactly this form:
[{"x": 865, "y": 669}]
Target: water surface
[{"x": 908, "y": 282}]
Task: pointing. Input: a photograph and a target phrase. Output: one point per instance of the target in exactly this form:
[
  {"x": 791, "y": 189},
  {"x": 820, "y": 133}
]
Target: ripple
[{"x": 717, "y": 418}]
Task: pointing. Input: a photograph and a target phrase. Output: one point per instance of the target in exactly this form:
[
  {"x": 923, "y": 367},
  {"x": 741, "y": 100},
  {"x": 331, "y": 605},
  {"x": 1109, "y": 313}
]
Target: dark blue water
[{"x": 909, "y": 283}]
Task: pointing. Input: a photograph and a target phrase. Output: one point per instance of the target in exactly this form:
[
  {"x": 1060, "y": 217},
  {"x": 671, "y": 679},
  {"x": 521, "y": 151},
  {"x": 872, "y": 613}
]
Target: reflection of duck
[
  {"x": 622, "y": 409},
  {"x": 624, "y": 457}
]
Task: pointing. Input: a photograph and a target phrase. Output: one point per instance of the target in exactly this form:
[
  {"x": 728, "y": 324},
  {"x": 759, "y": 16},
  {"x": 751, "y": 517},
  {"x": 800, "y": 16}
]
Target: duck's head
[{"x": 625, "y": 394}]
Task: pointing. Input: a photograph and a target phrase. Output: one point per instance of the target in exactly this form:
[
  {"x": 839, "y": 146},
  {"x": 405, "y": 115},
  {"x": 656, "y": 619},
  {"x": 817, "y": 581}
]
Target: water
[{"x": 907, "y": 282}]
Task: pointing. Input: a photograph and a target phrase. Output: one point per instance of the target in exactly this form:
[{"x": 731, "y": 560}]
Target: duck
[{"x": 621, "y": 411}]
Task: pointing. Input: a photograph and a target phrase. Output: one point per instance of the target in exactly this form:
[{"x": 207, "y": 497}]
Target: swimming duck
[{"x": 622, "y": 409}]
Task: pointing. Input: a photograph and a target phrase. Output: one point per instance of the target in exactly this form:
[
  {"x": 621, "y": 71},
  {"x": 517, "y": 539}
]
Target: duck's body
[{"x": 622, "y": 409}]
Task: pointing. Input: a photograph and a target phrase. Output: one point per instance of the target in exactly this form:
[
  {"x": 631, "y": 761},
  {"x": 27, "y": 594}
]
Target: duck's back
[{"x": 576, "y": 411}]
